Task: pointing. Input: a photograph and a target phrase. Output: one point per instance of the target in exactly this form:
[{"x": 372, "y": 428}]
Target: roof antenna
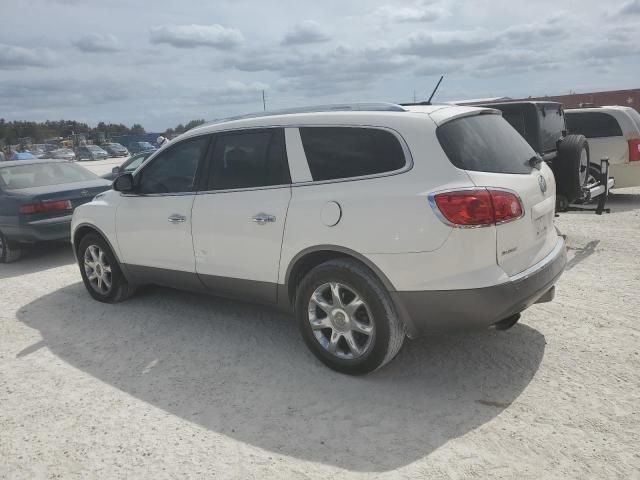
[{"x": 428, "y": 102}]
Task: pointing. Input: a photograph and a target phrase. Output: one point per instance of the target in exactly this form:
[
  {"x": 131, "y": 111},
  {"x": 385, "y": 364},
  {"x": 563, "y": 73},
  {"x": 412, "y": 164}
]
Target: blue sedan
[{"x": 37, "y": 199}]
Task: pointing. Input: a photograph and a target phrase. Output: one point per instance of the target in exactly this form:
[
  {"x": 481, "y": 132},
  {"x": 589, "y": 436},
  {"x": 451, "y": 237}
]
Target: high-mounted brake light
[
  {"x": 46, "y": 207},
  {"x": 477, "y": 208},
  {"x": 634, "y": 150}
]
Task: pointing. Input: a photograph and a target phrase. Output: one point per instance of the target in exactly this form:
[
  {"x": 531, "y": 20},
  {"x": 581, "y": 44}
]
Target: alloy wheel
[
  {"x": 97, "y": 269},
  {"x": 341, "y": 321}
]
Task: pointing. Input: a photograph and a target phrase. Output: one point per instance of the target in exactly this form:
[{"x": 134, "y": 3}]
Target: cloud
[
  {"x": 630, "y": 8},
  {"x": 97, "y": 43},
  {"x": 51, "y": 93},
  {"x": 304, "y": 33},
  {"x": 190, "y": 36},
  {"x": 418, "y": 12},
  {"x": 233, "y": 92},
  {"x": 446, "y": 44},
  {"x": 548, "y": 31},
  {"x": 12, "y": 57},
  {"x": 338, "y": 70},
  {"x": 510, "y": 62}
]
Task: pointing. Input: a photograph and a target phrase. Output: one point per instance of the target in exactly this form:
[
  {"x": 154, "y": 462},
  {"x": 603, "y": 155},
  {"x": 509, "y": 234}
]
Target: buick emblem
[
  {"x": 543, "y": 184},
  {"x": 86, "y": 193}
]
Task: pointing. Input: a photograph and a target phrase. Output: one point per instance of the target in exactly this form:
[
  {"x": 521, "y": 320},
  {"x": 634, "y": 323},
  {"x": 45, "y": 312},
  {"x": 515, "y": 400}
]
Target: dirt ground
[{"x": 175, "y": 385}]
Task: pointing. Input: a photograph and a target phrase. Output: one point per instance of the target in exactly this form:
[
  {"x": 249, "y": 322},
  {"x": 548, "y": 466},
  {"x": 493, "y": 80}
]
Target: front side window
[
  {"x": 593, "y": 124},
  {"x": 174, "y": 170},
  {"x": 249, "y": 159},
  {"x": 347, "y": 152}
]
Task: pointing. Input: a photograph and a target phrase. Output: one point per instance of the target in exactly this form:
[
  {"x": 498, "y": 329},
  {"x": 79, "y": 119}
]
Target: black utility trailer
[{"x": 579, "y": 180}]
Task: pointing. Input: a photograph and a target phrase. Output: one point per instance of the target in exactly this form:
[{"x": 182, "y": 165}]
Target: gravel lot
[{"x": 174, "y": 385}]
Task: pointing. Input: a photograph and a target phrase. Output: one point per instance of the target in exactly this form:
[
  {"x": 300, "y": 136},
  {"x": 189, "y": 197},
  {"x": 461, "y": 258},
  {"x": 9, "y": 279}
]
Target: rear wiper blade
[{"x": 535, "y": 162}]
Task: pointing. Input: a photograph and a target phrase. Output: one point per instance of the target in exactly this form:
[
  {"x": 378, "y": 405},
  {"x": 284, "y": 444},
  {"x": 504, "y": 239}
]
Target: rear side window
[
  {"x": 249, "y": 159},
  {"x": 347, "y": 152},
  {"x": 593, "y": 124},
  {"x": 485, "y": 143}
]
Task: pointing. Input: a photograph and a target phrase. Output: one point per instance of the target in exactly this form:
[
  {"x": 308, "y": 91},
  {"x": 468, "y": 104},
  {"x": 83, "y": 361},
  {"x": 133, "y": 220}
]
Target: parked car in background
[
  {"x": 38, "y": 151},
  {"x": 22, "y": 156},
  {"x": 37, "y": 198},
  {"x": 90, "y": 152},
  {"x": 137, "y": 147},
  {"x": 369, "y": 225},
  {"x": 577, "y": 172},
  {"x": 63, "y": 154},
  {"x": 129, "y": 166},
  {"x": 115, "y": 149},
  {"x": 613, "y": 132}
]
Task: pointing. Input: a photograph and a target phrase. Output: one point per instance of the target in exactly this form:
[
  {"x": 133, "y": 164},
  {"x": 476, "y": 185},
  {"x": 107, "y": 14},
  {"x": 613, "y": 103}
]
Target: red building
[{"x": 628, "y": 98}]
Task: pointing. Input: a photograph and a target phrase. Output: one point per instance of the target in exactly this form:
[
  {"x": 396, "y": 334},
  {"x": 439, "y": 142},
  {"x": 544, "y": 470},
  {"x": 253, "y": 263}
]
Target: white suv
[
  {"x": 369, "y": 222},
  {"x": 613, "y": 132}
]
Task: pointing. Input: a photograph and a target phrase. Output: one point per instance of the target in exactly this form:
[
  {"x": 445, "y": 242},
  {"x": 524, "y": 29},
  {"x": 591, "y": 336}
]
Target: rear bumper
[
  {"x": 438, "y": 310},
  {"x": 58, "y": 228}
]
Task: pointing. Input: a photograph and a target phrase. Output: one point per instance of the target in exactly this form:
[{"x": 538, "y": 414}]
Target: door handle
[
  {"x": 264, "y": 218},
  {"x": 177, "y": 218}
]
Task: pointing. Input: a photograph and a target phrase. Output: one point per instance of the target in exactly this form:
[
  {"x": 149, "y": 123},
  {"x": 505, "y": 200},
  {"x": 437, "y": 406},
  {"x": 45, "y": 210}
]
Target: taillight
[
  {"x": 46, "y": 207},
  {"x": 477, "y": 208},
  {"x": 634, "y": 150},
  {"x": 506, "y": 205}
]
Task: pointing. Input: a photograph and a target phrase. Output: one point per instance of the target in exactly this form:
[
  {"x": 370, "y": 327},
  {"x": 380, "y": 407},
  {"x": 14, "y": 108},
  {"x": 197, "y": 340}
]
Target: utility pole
[{"x": 264, "y": 101}]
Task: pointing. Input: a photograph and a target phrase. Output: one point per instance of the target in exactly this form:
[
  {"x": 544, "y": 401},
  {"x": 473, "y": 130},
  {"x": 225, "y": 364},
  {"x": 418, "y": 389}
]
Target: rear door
[
  {"x": 239, "y": 217},
  {"x": 494, "y": 155}
]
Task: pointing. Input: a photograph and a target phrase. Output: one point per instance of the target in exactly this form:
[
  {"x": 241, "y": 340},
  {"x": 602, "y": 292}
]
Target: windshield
[
  {"x": 485, "y": 143},
  {"x": 43, "y": 174},
  {"x": 93, "y": 148}
]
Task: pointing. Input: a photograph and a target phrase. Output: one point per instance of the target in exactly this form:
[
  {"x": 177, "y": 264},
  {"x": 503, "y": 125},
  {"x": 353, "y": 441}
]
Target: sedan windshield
[{"x": 18, "y": 177}]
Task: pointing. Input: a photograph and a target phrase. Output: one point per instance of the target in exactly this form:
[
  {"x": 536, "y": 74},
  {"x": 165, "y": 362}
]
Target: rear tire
[
  {"x": 347, "y": 318},
  {"x": 9, "y": 251},
  {"x": 101, "y": 273},
  {"x": 573, "y": 166}
]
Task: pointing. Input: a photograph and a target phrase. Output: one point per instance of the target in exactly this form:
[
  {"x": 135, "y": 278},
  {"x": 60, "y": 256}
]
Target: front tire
[
  {"x": 101, "y": 273},
  {"x": 347, "y": 318}
]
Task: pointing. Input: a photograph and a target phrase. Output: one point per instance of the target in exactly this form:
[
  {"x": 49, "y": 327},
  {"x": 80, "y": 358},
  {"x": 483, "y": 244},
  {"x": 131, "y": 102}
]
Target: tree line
[{"x": 12, "y": 131}]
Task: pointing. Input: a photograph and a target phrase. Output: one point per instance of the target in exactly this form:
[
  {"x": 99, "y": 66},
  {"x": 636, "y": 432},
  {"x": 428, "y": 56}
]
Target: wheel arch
[
  {"x": 311, "y": 257},
  {"x": 83, "y": 230}
]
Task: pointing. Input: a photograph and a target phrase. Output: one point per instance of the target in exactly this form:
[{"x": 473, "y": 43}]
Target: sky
[{"x": 164, "y": 62}]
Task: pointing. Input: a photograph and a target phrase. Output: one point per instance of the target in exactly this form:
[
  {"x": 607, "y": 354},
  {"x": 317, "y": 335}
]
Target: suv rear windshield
[
  {"x": 485, "y": 143},
  {"x": 593, "y": 124}
]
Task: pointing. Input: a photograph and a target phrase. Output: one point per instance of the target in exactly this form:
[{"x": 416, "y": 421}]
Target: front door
[
  {"x": 238, "y": 220},
  {"x": 153, "y": 225}
]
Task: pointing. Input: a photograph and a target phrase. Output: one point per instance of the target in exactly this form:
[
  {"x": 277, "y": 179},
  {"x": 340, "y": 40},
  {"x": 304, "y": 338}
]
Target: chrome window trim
[{"x": 443, "y": 219}]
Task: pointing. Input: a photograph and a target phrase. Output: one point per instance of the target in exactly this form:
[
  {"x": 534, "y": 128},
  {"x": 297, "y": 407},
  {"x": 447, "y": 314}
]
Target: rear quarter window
[
  {"x": 348, "y": 152},
  {"x": 593, "y": 124},
  {"x": 485, "y": 143}
]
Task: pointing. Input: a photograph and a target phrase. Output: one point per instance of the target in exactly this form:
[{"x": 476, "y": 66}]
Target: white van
[{"x": 613, "y": 132}]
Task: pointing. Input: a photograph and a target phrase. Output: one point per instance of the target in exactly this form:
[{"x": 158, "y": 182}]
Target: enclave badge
[{"x": 543, "y": 184}]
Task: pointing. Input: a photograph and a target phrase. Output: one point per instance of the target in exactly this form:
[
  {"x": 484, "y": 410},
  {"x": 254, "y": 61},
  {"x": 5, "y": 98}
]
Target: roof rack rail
[{"x": 338, "y": 107}]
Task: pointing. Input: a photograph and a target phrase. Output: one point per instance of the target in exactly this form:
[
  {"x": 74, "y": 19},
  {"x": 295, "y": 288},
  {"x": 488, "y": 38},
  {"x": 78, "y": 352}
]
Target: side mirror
[
  {"x": 124, "y": 183},
  {"x": 115, "y": 170}
]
